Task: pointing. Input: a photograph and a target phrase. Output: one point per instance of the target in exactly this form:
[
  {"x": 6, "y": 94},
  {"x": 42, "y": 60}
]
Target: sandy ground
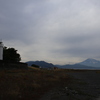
[{"x": 84, "y": 86}]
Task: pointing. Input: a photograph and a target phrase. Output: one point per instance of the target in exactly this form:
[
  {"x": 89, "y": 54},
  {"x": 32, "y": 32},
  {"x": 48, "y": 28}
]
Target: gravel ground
[{"x": 84, "y": 86}]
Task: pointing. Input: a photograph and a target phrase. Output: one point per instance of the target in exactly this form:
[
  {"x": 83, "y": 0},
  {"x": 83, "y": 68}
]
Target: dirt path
[
  {"x": 91, "y": 80},
  {"x": 84, "y": 86}
]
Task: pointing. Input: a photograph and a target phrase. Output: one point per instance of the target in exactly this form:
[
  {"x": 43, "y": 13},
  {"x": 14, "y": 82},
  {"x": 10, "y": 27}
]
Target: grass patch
[{"x": 31, "y": 83}]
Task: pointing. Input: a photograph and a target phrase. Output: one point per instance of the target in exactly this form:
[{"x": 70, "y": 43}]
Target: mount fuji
[
  {"x": 91, "y": 62},
  {"x": 86, "y": 64}
]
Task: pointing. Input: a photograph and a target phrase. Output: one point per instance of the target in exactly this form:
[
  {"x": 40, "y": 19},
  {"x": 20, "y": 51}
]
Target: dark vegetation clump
[
  {"x": 36, "y": 66},
  {"x": 11, "y": 55}
]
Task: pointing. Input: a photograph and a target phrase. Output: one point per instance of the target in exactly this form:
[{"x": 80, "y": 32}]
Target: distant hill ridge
[
  {"x": 86, "y": 64},
  {"x": 74, "y": 66},
  {"x": 43, "y": 64}
]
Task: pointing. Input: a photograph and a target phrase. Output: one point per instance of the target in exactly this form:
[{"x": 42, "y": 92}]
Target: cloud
[{"x": 57, "y": 31}]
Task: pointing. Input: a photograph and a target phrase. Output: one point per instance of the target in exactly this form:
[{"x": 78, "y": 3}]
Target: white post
[{"x": 1, "y": 51}]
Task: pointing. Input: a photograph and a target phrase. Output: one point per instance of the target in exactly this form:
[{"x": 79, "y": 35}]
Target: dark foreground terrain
[
  {"x": 85, "y": 85},
  {"x": 30, "y": 84},
  {"x": 40, "y": 84}
]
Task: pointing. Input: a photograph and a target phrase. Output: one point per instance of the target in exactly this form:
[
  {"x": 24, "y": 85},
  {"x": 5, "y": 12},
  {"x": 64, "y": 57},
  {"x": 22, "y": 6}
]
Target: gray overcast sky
[{"x": 56, "y": 31}]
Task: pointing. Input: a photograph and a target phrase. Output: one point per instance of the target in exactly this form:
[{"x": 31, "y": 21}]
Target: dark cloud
[{"x": 19, "y": 19}]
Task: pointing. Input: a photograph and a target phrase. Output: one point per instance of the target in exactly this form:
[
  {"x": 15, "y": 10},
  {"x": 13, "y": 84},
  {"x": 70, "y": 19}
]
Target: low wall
[{"x": 12, "y": 65}]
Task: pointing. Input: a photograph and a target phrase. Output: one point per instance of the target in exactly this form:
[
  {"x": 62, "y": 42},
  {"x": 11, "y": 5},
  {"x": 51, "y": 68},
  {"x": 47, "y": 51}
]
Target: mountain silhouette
[
  {"x": 43, "y": 64},
  {"x": 74, "y": 66},
  {"x": 86, "y": 64},
  {"x": 91, "y": 62}
]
